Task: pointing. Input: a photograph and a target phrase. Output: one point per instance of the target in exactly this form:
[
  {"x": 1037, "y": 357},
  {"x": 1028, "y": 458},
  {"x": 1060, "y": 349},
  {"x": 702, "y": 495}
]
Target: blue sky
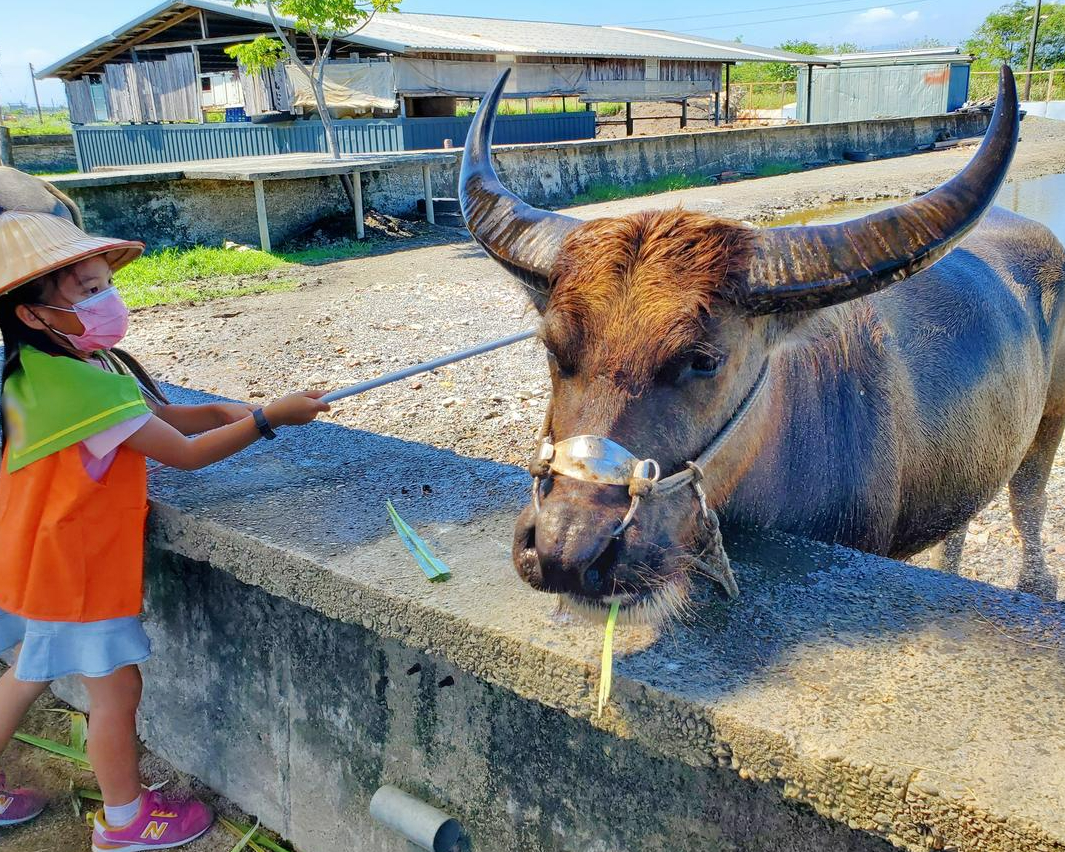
[{"x": 41, "y": 31}]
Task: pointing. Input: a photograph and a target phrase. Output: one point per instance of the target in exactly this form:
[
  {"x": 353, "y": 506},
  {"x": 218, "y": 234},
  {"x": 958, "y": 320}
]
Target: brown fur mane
[{"x": 630, "y": 294}]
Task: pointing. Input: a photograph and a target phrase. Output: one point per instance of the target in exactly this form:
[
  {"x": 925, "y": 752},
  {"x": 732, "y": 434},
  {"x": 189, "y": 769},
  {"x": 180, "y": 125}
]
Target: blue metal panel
[
  {"x": 958, "y": 93},
  {"x": 423, "y": 133},
  {"x": 146, "y": 144}
]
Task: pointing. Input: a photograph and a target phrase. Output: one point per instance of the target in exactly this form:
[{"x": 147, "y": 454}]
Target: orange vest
[{"x": 72, "y": 548}]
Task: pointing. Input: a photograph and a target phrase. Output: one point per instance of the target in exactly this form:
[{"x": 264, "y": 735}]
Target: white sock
[{"x": 123, "y": 814}]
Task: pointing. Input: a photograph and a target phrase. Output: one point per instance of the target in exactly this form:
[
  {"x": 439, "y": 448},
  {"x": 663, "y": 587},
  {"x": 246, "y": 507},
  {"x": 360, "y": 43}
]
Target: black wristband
[{"x": 263, "y": 425}]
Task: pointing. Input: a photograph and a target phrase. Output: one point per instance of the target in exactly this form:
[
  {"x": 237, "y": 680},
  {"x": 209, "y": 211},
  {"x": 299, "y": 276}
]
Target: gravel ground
[{"x": 352, "y": 320}]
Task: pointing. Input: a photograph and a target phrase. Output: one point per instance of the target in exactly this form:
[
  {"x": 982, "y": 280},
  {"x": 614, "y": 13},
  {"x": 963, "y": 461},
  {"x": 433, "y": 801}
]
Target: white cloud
[
  {"x": 877, "y": 15},
  {"x": 880, "y": 24}
]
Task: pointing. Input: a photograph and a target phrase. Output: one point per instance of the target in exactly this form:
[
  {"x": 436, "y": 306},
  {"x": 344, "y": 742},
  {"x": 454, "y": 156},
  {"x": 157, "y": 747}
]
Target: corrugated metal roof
[
  {"x": 734, "y": 50},
  {"x": 913, "y": 56},
  {"x": 412, "y": 33}
]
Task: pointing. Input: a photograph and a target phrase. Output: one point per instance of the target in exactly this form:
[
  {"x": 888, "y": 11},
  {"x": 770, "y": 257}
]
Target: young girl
[{"x": 79, "y": 422}]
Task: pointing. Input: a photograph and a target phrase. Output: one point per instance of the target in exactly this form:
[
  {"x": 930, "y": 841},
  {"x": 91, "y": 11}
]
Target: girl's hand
[
  {"x": 296, "y": 409},
  {"x": 231, "y": 412}
]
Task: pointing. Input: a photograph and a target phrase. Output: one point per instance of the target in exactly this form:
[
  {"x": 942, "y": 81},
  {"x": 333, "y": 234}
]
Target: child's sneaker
[
  {"x": 17, "y": 806},
  {"x": 161, "y": 824}
]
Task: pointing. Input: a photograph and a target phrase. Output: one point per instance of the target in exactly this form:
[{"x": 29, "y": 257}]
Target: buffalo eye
[
  {"x": 706, "y": 364},
  {"x": 560, "y": 365}
]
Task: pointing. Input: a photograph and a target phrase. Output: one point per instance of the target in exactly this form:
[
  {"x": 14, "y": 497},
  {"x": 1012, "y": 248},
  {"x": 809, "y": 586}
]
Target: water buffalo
[{"x": 872, "y": 383}]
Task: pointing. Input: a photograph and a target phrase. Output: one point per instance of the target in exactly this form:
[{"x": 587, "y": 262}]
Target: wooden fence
[{"x": 1043, "y": 86}]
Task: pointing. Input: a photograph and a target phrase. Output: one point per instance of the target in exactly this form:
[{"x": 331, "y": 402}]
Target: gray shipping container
[{"x": 885, "y": 85}]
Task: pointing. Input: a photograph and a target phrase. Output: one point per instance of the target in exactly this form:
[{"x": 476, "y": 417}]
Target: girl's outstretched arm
[
  {"x": 193, "y": 419},
  {"x": 158, "y": 440}
]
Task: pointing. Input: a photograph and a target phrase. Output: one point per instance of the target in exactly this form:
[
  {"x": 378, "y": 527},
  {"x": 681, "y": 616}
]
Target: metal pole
[
  {"x": 717, "y": 109},
  {"x": 40, "y": 116},
  {"x": 809, "y": 93},
  {"x": 426, "y": 366},
  {"x": 1031, "y": 49},
  {"x": 683, "y": 114},
  {"x": 727, "y": 67},
  {"x": 628, "y": 118}
]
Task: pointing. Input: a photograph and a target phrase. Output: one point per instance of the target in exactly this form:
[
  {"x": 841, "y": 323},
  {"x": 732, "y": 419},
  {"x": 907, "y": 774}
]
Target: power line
[
  {"x": 742, "y": 12},
  {"x": 799, "y": 17}
]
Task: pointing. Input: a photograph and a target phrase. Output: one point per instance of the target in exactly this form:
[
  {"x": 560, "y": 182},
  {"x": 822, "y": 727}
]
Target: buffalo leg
[
  {"x": 1028, "y": 503},
  {"x": 946, "y": 556}
]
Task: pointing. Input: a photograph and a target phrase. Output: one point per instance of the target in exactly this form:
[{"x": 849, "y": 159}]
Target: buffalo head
[{"x": 660, "y": 329}]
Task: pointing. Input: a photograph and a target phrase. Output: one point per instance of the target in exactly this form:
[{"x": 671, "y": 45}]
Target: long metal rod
[{"x": 426, "y": 366}]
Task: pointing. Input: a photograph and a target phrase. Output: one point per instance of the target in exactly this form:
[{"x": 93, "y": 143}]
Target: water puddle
[{"x": 1042, "y": 199}]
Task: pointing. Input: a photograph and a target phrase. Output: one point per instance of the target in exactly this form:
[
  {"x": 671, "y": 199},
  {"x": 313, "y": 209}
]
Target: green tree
[
  {"x": 1004, "y": 34},
  {"x": 782, "y": 71},
  {"x": 320, "y": 20}
]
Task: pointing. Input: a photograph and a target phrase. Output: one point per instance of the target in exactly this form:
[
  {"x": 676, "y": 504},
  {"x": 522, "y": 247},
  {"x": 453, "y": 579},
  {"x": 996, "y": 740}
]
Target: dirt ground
[
  {"x": 60, "y": 828},
  {"x": 433, "y": 293}
]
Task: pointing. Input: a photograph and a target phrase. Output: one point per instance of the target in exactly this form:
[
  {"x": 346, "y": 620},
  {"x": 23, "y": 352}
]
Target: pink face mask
[{"x": 105, "y": 318}]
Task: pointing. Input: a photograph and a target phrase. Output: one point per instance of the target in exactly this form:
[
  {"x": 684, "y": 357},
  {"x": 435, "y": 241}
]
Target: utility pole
[
  {"x": 36, "y": 97},
  {"x": 1031, "y": 49}
]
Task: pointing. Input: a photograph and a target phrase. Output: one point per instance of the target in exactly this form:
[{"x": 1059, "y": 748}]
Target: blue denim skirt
[{"x": 55, "y": 649}]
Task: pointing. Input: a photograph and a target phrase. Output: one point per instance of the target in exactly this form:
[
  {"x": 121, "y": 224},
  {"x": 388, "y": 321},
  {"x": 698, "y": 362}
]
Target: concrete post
[
  {"x": 427, "y": 183},
  {"x": 260, "y": 214},
  {"x": 7, "y": 158},
  {"x": 628, "y": 118},
  {"x": 683, "y": 114},
  {"x": 360, "y": 216},
  {"x": 717, "y": 109}
]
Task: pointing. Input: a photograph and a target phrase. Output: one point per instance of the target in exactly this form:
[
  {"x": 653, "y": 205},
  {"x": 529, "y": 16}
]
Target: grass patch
[
  {"x": 148, "y": 295},
  {"x": 598, "y": 192},
  {"x": 175, "y": 276},
  {"x": 26, "y": 124},
  {"x": 189, "y": 275},
  {"x": 324, "y": 254},
  {"x": 774, "y": 169}
]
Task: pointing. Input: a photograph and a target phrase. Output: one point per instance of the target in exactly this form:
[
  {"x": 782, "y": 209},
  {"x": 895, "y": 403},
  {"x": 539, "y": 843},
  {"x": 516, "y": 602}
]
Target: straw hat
[{"x": 33, "y": 244}]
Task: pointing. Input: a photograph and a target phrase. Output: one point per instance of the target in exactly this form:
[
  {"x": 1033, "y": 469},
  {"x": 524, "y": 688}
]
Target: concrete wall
[
  {"x": 186, "y": 212},
  {"x": 844, "y": 701},
  {"x": 44, "y": 154}
]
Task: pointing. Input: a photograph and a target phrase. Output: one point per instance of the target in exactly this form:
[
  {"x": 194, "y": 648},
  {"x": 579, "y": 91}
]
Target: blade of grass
[
  {"x": 246, "y": 839},
  {"x": 404, "y": 536},
  {"x": 236, "y": 831},
  {"x": 260, "y": 838},
  {"x": 606, "y": 663},
  {"x": 79, "y": 731},
  {"x": 91, "y": 795},
  {"x": 440, "y": 570},
  {"x": 79, "y": 758},
  {"x": 79, "y": 727},
  {"x": 437, "y": 563}
]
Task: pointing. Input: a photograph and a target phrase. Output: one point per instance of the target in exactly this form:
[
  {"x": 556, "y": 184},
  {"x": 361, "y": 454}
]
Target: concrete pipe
[{"x": 422, "y": 824}]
